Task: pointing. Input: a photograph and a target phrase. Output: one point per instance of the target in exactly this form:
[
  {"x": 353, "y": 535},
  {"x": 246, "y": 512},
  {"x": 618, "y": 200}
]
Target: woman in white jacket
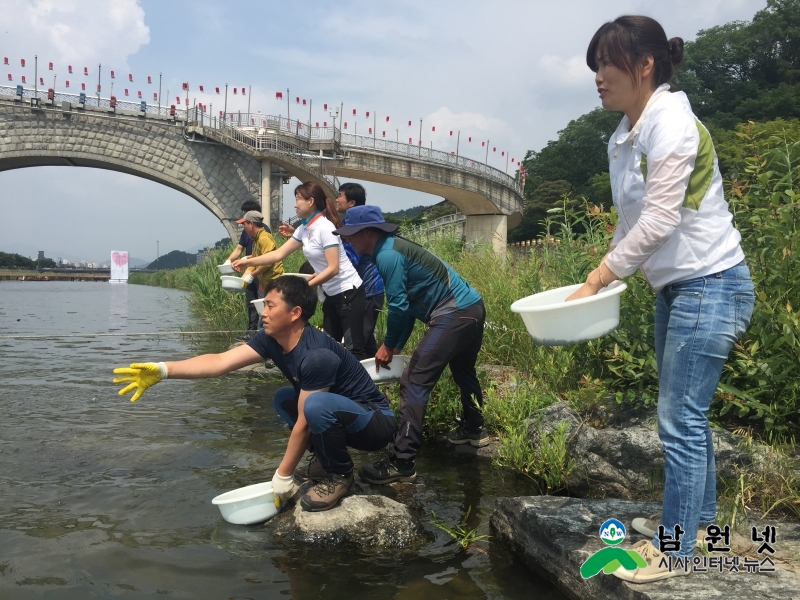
[{"x": 674, "y": 225}]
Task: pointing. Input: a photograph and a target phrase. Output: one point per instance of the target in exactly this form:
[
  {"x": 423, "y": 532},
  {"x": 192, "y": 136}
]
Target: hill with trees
[{"x": 17, "y": 261}]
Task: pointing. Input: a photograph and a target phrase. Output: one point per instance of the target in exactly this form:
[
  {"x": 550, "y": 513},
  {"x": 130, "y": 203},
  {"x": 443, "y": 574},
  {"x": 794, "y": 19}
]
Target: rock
[
  {"x": 555, "y": 535},
  {"x": 367, "y": 522},
  {"x": 625, "y": 460}
]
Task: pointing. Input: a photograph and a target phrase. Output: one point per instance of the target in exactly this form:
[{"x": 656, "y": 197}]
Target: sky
[{"x": 509, "y": 71}]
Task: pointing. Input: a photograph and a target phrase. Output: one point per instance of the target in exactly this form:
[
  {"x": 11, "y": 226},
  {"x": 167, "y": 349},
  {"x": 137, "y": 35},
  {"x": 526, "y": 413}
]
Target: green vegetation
[
  {"x": 461, "y": 532},
  {"x": 17, "y": 261}
]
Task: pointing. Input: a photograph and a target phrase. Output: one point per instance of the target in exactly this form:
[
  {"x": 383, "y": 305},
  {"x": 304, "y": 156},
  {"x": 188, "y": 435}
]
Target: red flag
[
  {"x": 324, "y": 123},
  {"x": 177, "y": 99},
  {"x": 243, "y": 92},
  {"x": 50, "y": 66},
  {"x": 201, "y": 88},
  {"x": 130, "y": 76},
  {"x": 354, "y": 112},
  {"x": 384, "y": 133},
  {"x": 234, "y": 91},
  {"x": 185, "y": 85},
  {"x": 304, "y": 101},
  {"x": 139, "y": 93},
  {"x": 12, "y": 79},
  {"x": 433, "y": 128},
  {"x": 451, "y": 132},
  {"x": 83, "y": 87},
  {"x": 112, "y": 74},
  {"x": 298, "y": 99},
  {"x": 5, "y": 60},
  {"x": 345, "y": 124},
  {"x": 217, "y": 90},
  {"x": 22, "y": 61},
  {"x": 409, "y": 139},
  {"x": 317, "y": 125},
  {"x": 370, "y": 129},
  {"x": 67, "y": 83},
  {"x": 469, "y": 139},
  {"x": 368, "y": 116},
  {"x": 41, "y": 80},
  {"x": 149, "y": 79},
  {"x": 126, "y": 91},
  {"x": 23, "y": 79},
  {"x": 69, "y": 68},
  {"x": 155, "y": 97},
  {"x": 409, "y": 123},
  {"x": 278, "y": 95},
  {"x": 325, "y": 106},
  {"x": 387, "y": 118}
]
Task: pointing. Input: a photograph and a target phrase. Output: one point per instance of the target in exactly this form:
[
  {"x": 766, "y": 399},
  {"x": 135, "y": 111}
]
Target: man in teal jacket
[{"x": 421, "y": 286}]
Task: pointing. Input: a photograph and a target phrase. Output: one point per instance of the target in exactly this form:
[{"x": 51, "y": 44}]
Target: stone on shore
[
  {"x": 555, "y": 535},
  {"x": 623, "y": 460},
  {"x": 366, "y": 522}
]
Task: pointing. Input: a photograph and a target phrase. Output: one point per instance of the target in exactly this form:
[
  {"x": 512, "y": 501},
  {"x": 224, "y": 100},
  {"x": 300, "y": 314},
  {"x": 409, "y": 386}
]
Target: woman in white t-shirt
[{"x": 344, "y": 304}]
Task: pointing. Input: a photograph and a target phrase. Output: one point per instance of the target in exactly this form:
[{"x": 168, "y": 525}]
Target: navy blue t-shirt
[{"x": 317, "y": 362}]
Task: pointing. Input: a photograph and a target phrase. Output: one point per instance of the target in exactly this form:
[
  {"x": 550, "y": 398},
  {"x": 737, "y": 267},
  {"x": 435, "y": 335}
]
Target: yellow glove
[{"x": 140, "y": 376}]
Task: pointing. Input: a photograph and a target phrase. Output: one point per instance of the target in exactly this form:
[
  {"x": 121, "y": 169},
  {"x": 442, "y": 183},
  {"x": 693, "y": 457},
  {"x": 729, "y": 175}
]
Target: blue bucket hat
[{"x": 361, "y": 217}]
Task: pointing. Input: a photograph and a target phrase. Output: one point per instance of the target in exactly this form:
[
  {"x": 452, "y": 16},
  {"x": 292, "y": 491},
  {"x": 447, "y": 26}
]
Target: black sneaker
[
  {"x": 463, "y": 434},
  {"x": 388, "y": 470},
  {"x": 310, "y": 470},
  {"x": 327, "y": 493}
]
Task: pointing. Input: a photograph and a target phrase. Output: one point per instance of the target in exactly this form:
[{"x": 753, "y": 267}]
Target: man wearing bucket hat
[
  {"x": 331, "y": 402},
  {"x": 421, "y": 286},
  {"x": 263, "y": 242}
]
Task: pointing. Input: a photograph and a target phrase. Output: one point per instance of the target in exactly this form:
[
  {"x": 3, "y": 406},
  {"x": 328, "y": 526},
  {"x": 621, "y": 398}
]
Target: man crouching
[{"x": 332, "y": 402}]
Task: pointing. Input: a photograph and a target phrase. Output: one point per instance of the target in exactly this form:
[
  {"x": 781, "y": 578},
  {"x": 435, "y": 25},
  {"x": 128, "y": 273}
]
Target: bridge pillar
[
  {"x": 487, "y": 229},
  {"x": 271, "y": 194}
]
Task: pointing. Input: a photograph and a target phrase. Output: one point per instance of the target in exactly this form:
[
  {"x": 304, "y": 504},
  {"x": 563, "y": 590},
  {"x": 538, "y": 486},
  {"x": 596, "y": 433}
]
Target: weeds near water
[{"x": 461, "y": 533}]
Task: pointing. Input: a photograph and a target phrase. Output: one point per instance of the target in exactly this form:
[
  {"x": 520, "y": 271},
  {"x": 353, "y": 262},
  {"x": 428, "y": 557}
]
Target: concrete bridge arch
[{"x": 218, "y": 177}]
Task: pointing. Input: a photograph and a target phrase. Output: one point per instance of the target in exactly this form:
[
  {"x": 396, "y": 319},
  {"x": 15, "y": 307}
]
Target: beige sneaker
[
  {"x": 657, "y": 565},
  {"x": 327, "y": 493},
  {"x": 648, "y": 527}
]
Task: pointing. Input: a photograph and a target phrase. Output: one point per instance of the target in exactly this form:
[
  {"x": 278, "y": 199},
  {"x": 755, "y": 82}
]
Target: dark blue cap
[{"x": 361, "y": 217}]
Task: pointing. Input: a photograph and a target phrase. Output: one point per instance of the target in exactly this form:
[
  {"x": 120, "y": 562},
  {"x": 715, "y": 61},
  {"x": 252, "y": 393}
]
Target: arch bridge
[{"x": 221, "y": 162}]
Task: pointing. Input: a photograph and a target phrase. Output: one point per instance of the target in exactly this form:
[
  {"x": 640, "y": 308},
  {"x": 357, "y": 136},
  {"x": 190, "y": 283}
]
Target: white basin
[
  {"x": 553, "y": 322},
  {"x": 247, "y": 505},
  {"x": 393, "y": 373}
]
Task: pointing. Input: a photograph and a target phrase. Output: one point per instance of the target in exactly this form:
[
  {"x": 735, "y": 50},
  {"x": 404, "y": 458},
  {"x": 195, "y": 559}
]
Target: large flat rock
[{"x": 555, "y": 535}]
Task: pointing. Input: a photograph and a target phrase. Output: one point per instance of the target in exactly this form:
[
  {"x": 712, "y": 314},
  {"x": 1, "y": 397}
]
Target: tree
[
  {"x": 744, "y": 71},
  {"x": 576, "y": 156},
  {"x": 541, "y": 200}
]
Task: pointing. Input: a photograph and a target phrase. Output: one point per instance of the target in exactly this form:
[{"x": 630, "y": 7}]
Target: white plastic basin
[
  {"x": 553, "y": 322},
  {"x": 232, "y": 284},
  {"x": 247, "y": 505},
  {"x": 393, "y": 373},
  {"x": 258, "y": 305},
  {"x": 225, "y": 269}
]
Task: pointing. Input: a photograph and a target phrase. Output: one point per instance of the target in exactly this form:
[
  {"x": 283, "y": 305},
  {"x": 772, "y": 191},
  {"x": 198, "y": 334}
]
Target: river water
[{"x": 102, "y": 497}]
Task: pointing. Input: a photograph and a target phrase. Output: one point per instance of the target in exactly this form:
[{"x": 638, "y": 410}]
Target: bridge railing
[
  {"x": 262, "y": 124},
  {"x": 92, "y": 100},
  {"x": 259, "y": 124}
]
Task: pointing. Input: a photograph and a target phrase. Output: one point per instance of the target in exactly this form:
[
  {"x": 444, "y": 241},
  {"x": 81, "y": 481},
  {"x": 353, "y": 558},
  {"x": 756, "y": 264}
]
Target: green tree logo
[{"x": 609, "y": 559}]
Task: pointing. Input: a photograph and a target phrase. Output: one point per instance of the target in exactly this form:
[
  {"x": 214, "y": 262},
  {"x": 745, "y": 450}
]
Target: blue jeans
[
  {"x": 697, "y": 322},
  {"x": 337, "y": 422}
]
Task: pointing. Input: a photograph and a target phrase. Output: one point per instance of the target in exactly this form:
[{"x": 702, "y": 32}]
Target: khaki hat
[{"x": 253, "y": 216}]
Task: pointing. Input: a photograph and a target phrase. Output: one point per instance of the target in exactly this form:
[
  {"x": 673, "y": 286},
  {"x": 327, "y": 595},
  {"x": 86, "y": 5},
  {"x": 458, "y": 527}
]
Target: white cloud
[
  {"x": 564, "y": 72},
  {"x": 81, "y": 33}
]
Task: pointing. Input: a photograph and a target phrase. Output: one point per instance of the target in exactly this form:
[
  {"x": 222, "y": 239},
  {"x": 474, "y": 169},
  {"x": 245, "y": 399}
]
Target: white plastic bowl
[
  {"x": 247, "y": 505},
  {"x": 225, "y": 269},
  {"x": 553, "y": 322},
  {"x": 232, "y": 284},
  {"x": 258, "y": 304},
  {"x": 393, "y": 373}
]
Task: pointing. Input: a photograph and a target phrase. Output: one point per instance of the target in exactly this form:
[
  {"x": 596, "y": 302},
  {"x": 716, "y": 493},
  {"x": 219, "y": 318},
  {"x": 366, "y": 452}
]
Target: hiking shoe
[
  {"x": 328, "y": 491},
  {"x": 649, "y": 525},
  {"x": 463, "y": 434},
  {"x": 311, "y": 470},
  {"x": 659, "y": 565},
  {"x": 388, "y": 470}
]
